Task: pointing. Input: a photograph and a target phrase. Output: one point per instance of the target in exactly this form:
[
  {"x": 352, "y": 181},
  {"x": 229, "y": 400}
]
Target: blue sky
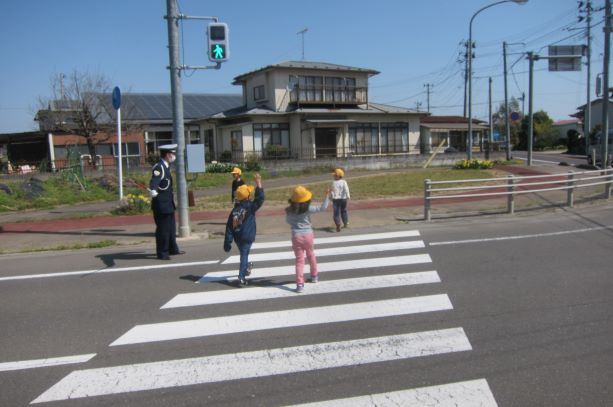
[{"x": 410, "y": 42}]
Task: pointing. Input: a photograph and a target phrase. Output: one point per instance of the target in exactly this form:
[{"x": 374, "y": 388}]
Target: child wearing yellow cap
[
  {"x": 241, "y": 226},
  {"x": 340, "y": 196},
  {"x": 298, "y": 216},
  {"x": 237, "y": 182}
]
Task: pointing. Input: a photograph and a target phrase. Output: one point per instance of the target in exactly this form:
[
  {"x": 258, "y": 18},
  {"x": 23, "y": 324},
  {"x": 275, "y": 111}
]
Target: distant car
[
  {"x": 451, "y": 150},
  {"x": 596, "y": 146}
]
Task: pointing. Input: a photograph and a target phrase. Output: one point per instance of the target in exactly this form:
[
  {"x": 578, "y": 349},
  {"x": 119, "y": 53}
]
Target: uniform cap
[
  {"x": 236, "y": 170},
  {"x": 168, "y": 147},
  {"x": 244, "y": 191},
  {"x": 301, "y": 195},
  {"x": 339, "y": 173}
]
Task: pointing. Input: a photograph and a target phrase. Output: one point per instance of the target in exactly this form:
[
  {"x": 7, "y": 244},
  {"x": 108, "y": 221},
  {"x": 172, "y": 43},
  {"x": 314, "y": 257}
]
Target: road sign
[
  {"x": 565, "y": 57},
  {"x": 116, "y": 98},
  {"x": 514, "y": 116}
]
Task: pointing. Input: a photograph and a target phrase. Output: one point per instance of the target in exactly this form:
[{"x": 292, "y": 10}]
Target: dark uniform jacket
[
  {"x": 161, "y": 181},
  {"x": 246, "y": 232}
]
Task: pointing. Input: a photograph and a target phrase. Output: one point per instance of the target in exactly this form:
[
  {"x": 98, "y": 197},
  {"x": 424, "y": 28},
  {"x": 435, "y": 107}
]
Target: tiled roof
[
  {"x": 307, "y": 65},
  {"x": 157, "y": 107},
  {"x": 449, "y": 119}
]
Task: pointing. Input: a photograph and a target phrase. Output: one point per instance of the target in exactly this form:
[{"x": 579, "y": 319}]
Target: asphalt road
[
  {"x": 552, "y": 158},
  {"x": 508, "y": 311}
]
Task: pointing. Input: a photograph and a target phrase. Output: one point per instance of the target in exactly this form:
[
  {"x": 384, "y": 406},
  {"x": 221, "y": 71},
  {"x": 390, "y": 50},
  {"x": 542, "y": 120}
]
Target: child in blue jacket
[{"x": 241, "y": 225}]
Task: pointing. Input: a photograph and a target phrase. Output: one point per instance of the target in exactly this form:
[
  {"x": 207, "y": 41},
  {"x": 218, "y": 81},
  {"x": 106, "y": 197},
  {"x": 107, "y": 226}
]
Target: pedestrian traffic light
[{"x": 219, "y": 50}]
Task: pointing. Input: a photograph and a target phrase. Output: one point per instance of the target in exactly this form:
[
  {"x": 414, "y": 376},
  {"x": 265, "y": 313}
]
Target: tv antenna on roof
[{"x": 301, "y": 32}]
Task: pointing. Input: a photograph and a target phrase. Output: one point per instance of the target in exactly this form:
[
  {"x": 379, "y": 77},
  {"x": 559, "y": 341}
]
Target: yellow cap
[
  {"x": 244, "y": 191},
  {"x": 339, "y": 173},
  {"x": 236, "y": 170},
  {"x": 301, "y": 194}
]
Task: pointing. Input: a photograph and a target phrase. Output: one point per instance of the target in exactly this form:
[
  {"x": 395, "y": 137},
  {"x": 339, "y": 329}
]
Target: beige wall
[{"x": 276, "y": 82}]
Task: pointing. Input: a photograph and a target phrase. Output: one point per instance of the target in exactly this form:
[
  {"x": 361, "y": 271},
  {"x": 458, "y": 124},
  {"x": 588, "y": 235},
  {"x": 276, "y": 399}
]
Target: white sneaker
[
  {"x": 299, "y": 288},
  {"x": 314, "y": 279}
]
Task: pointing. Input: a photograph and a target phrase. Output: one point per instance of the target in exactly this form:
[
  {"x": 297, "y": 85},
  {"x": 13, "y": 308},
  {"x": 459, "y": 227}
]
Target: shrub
[
  {"x": 252, "y": 162},
  {"x": 220, "y": 167},
  {"x": 133, "y": 204},
  {"x": 276, "y": 151},
  {"x": 225, "y": 156},
  {"x": 473, "y": 164}
]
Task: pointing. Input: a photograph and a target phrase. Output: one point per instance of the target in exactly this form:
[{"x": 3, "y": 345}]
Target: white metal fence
[{"x": 511, "y": 186}]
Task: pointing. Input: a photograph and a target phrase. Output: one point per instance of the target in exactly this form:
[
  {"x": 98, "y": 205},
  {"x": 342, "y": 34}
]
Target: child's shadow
[{"x": 328, "y": 229}]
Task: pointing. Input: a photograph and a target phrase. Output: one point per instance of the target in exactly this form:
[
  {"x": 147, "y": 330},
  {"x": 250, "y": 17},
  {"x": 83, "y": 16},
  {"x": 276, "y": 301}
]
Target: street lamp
[{"x": 469, "y": 67}]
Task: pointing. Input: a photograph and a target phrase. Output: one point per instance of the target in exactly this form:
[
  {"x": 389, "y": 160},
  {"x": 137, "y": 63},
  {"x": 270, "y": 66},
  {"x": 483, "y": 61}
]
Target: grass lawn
[
  {"x": 63, "y": 190},
  {"x": 393, "y": 185}
]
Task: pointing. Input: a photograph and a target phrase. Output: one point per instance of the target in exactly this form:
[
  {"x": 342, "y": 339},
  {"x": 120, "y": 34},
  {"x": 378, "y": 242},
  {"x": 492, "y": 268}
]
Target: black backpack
[{"x": 238, "y": 217}]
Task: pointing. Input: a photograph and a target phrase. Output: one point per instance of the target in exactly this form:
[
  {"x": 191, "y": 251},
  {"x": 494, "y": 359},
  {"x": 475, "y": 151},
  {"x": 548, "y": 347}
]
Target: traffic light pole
[
  {"x": 176, "y": 91},
  {"x": 605, "y": 85},
  {"x": 177, "y": 115}
]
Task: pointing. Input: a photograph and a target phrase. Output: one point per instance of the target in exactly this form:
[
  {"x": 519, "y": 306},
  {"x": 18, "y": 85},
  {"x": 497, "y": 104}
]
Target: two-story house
[{"x": 309, "y": 110}]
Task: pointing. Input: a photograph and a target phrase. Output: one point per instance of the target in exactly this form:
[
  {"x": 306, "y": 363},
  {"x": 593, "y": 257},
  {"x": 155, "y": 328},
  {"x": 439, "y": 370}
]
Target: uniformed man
[{"x": 163, "y": 204}]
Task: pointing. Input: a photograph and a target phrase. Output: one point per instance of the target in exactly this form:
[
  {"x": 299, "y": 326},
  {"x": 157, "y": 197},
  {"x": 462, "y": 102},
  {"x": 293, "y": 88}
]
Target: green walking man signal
[{"x": 218, "y": 50}]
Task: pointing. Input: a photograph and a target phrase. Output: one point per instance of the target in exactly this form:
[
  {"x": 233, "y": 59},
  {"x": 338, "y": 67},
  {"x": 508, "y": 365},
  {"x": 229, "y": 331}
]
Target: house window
[
  {"x": 339, "y": 90},
  {"x": 310, "y": 88},
  {"x": 127, "y": 150},
  {"x": 236, "y": 140},
  {"x": 394, "y": 137},
  {"x": 258, "y": 93},
  {"x": 272, "y": 138},
  {"x": 364, "y": 138},
  {"x": 104, "y": 149}
]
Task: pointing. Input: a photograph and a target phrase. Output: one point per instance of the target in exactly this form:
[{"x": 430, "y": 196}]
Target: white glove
[{"x": 153, "y": 193}]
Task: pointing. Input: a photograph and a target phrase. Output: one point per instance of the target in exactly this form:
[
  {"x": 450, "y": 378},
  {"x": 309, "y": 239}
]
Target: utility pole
[
  {"x": 176, "y": 91},
  {"x": 507, "y": 124},
  {"x": 428, "y": 87},
  {"x": 466, "y": 78},
  {"x": 587, "y": 119},
  {"x": 605, "y": 85},
  {"x": 490, "y": 138},
  {"x": 531, "y": 58},
  {"x": 417, "y": 105}
]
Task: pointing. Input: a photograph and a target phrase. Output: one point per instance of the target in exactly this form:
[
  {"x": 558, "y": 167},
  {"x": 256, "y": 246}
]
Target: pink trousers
[{"x": 303, "y": 243}]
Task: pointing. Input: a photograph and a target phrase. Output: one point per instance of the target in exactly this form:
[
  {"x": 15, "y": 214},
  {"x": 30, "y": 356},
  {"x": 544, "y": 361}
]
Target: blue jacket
[
  {"x": 247, "y": 230},
  {"x": 161, "y": 181}
]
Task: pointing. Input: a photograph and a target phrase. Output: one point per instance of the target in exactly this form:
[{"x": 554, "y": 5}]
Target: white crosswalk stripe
[
  {"x": 282, "y": 319},
  {"x": 399, "y": 270},
  {"x": 374, "y": 263},
  {"x": 340, "y": 239},
  {"x": 468, "y": 394},
  {"x": 184, "y": 372},
  {"x": 286, "y": 290},
  {"x": 335, "y": 251}
]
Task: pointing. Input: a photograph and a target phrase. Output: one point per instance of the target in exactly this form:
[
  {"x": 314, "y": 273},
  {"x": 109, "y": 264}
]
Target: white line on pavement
[
  {"x": 279, "y": 291},
  {"x": 195, "y": 328},
  {"x": 233, "y": 366},
  {"x": 536, "y": 235},
  {"x": 340, "y": 239},
  {"x": 322, "y": 267},
  {"x": 468, "y": 393},
  {"x": 35, "y": 363},
  {"x": 165, "y": 266},
  {"x": 367, "y": 248}
]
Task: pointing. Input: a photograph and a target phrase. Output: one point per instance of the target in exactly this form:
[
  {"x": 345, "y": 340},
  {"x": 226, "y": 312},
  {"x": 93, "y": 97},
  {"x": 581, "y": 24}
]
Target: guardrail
[{"x": 511, "y": 186}]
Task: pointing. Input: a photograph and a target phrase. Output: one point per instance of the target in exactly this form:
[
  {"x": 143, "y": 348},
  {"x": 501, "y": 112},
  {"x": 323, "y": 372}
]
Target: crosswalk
[{"x": 388, "y": 261}]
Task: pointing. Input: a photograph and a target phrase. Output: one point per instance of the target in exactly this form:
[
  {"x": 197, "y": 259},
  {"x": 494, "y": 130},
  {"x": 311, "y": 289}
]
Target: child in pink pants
[{"x": 298, "y": 216}]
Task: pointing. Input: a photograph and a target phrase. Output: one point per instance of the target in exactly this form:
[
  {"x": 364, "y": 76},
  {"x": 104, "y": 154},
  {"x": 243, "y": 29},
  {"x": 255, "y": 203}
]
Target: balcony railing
[{"x": 328, "y": 94}]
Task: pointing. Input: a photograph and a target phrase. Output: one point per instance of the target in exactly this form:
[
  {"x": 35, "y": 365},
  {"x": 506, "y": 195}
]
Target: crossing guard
[{"x": 163, "y": 204}]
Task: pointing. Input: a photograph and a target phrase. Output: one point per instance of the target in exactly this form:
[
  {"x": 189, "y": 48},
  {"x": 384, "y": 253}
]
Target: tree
[
  {"x": 498, "y": 119},
  {"x": 75, "y": 107},
  {"x": 545, "y": 136}
]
